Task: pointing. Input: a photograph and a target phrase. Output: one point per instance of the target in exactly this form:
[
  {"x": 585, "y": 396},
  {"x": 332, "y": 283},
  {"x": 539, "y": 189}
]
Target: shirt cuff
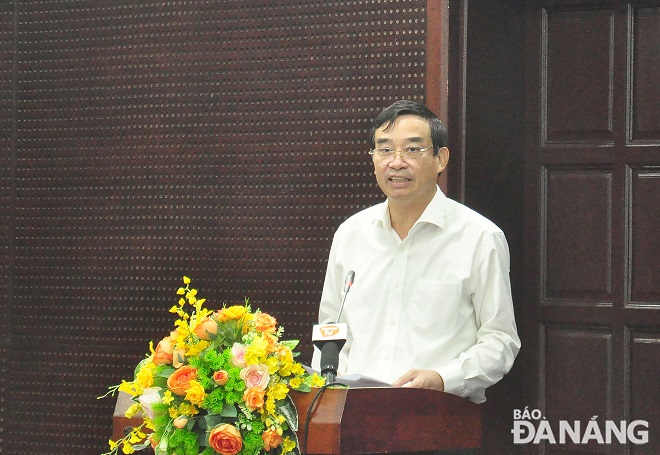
[{"x": 452, "y": 376}]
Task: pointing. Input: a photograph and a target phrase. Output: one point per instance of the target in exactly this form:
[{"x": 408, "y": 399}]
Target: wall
[{"x": 141, "y": 141}]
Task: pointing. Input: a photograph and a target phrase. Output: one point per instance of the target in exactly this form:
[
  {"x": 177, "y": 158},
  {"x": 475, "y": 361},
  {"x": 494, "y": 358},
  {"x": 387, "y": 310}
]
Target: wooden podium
[
  {"x": 372, "y": 420},
  {"x": 386, "y": 420}
]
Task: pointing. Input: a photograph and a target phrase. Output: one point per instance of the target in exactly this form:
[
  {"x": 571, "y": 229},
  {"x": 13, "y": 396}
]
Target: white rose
[{"x": 149, "y": 397}]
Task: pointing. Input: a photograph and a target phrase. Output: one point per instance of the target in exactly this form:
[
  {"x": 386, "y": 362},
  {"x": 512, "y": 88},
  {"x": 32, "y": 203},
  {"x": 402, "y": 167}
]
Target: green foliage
[
  {"x": 182, "y": 442},
  {"x": 215, "y": 401},
  {"x": 288, "y": 410},
  {"x": 252, "y": 442}
]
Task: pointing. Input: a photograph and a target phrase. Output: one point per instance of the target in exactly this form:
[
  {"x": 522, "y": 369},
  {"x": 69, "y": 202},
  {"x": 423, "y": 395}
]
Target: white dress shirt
[{"x": 440, "y": 299}]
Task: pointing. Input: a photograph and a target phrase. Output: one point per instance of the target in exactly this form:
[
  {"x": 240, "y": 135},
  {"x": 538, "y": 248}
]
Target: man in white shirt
[{"x": 431, "y": 304}]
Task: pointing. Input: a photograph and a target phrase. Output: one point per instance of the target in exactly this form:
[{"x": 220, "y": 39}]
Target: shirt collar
[{"x": 434, "y": 213}]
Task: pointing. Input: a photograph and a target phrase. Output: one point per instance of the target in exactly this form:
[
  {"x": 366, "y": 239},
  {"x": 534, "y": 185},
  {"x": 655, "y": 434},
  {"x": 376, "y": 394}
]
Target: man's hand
[{"x": 421, "y": 379}]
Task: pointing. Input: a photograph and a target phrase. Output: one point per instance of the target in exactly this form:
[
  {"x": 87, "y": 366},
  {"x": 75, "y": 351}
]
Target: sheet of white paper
[
  {"x": 357, "y": 380},
  {"x": 353, "y": 380}
]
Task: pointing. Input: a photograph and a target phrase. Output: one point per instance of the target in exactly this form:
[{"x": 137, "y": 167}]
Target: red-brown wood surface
[{"x": 385, "y": 420}]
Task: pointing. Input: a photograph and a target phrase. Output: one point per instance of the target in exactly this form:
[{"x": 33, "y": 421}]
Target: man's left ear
[{"x": 443, "y": 158}]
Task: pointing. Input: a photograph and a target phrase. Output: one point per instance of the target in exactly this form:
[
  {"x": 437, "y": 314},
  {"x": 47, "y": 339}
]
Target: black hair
[{"x": 406, "y": 107}]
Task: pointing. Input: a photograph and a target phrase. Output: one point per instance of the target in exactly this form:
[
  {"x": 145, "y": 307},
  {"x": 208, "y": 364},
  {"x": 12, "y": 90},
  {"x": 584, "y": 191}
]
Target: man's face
[{"x": 403, "y": 179}]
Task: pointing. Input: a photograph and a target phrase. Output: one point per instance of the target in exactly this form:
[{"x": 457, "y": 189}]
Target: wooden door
[{"x": 592, "y": 309}]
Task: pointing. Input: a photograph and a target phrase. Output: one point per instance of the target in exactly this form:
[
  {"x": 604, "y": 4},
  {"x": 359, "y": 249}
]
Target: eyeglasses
[{"x": 388, "y": 153}]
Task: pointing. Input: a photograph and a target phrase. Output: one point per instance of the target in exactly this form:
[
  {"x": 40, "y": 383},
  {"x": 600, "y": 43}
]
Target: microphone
[
  {"x": 348, "y": 282},
  {"x": 331, "y": 337}
]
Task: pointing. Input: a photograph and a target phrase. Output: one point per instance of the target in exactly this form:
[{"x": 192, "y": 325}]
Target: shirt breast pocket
[{"x": 435, "y": 305}]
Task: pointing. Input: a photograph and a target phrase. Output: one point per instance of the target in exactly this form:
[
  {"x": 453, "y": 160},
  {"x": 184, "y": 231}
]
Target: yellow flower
[
  {"x": 180, "y": 334},
  {"x": 188, "y": 409},
  {"x": 297, "y": 369},
  {"x": 284, "y": 353},
  {"x": 145, "y": 377},
  {"x": 256, "y": 351},
  {"x": 278, "y": 391},
  {"x": 130, "y": 388},
  {"x": 317, "y": 381},
  {"x": 167, "y": 397},
  {"x": 183, "y": 409},
  {"x": 132, "y": 410},
  {"x": 149, "y": 423},
  {"x": 195, "y": 349},
  {"x": 295, "y": 382},
  {"x": 195, "y": 394},
  {"x": 233, "y": 313},
  {"x": 127, "y": 447},
  {"x": 286, "y": 366},
  {"x": 285, "y": 357},
  {"x": 191, "y": 296},
  {"x": 287, "y": 445},
  {"x": 272, "y": 364},
  {"x": 136, "y": 436},
  {"x": 248, "y": 323},
  {"x": 270, "y": 404}
]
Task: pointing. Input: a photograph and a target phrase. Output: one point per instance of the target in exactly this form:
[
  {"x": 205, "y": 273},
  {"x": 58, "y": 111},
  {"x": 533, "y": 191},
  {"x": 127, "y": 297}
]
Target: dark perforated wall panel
[
  {"x": 224, "y": 140},
  {"x": 6, "y": 123}
]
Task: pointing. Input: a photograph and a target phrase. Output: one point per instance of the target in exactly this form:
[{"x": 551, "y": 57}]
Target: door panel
[
  {"x": 578, "y": 96},
  {"x": 644, "y": 239},
  {"x": 645, "y": 40},
  {"x": 593, "y": 218},
  {"x": 576, "y": 255}
]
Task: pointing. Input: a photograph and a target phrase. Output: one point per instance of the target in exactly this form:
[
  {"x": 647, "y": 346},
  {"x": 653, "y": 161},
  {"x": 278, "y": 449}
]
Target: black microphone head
[{"x": 330, "y": 356}]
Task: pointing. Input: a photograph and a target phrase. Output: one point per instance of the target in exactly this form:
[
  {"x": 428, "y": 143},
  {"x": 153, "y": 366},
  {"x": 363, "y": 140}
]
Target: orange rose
[
  {"x": 179, "y": 381},
  {"x": 254, "y": 398},
  {"x": 207, "y": 329},
  {"x": 272, "y": 343},
  {"x": 163, "y": 352},
  {"x": 221, "y": 377},
  {"x": 226, "y": 439},
  {"x": 180, "y": 422},
  {"x": 271, "y": 439},
  {"x": 266, "y": 323}
]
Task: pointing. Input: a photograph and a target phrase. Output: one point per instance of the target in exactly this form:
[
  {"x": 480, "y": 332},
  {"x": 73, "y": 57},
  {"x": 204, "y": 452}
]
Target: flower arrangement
[{"x": 218, "y": 383}]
